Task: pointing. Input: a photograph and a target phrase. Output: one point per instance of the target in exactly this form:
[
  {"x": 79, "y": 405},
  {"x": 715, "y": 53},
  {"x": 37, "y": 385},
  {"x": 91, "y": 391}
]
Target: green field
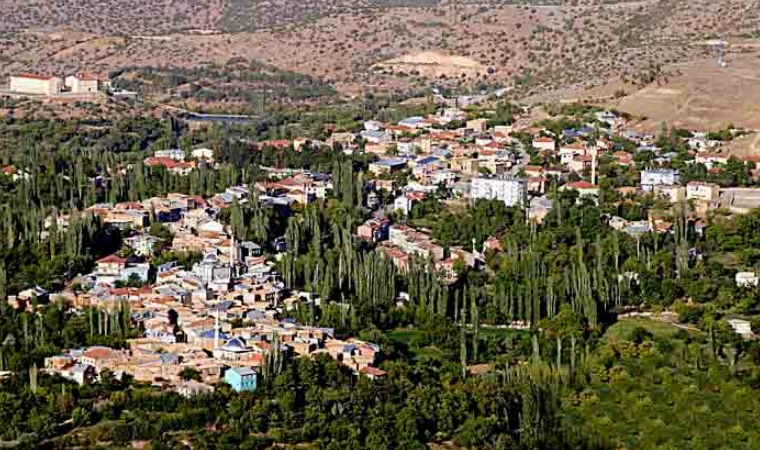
[{"x": 659, "y": 329}]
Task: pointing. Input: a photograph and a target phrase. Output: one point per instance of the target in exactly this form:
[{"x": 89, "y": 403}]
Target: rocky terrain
[{"x": 547, "y": 49}]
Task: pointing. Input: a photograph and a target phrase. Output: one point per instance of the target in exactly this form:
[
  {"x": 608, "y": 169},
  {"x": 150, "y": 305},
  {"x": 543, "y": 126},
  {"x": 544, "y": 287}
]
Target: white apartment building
[
  {"x": 700, "y": 190},
  {"x": 35, "y": 84},
  {"x": 173, "y": 153},
  {"x": 509, "y": 190},
  {"x": 658, "y": 177}
]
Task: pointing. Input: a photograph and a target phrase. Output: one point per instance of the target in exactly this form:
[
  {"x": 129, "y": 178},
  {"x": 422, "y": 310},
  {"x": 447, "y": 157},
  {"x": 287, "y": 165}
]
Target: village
[{"x": 225, "y": 316}]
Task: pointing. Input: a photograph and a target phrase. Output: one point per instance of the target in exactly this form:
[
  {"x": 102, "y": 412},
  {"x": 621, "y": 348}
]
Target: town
[
  {"x": 219, "y": 272},
  {"x": 222, "y": 316}
]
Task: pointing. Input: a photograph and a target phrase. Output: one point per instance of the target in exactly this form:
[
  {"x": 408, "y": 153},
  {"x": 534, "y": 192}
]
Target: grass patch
[{"x": 624, "y": 328}]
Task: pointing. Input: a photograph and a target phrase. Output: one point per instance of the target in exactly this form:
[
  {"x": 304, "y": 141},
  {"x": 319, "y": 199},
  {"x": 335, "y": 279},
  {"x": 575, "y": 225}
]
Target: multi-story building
[
  {"x": 657, "y": 177},
  {"x": 241, "y": 378},
  {"x": 700, "y": 190},
  {"x": 35, "y": 84},
  {"x": 508, "y": 189}
]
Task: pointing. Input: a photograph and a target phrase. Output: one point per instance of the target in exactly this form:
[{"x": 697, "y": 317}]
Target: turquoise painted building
[{"x": 241, "y": 378}]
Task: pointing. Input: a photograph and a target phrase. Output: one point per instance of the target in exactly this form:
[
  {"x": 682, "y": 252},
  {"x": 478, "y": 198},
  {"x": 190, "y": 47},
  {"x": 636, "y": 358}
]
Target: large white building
[
  {"x": 35, "y": 84},
  {"x": 701, "y": 190},
  {"x": 658, "y": 177},
  {"x": 509, "y": 190},
  {"x": 87, "y": 83}
]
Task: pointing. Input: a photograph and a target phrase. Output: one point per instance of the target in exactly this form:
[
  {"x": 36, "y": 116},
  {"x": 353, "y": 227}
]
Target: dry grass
[{"x": 702, "y": 96}]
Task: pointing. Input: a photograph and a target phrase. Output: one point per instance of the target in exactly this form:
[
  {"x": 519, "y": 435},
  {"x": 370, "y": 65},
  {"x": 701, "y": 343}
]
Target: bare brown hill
[
  {"x": 702, "y": 96},
  {"x": 543, "y": 47}
]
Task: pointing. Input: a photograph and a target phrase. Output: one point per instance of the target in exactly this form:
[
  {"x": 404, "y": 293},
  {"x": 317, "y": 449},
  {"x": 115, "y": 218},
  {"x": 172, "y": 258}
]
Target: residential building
[
  {"x": 742, "y": 327},
  {"x": 241, "y": 378},
  {"x": 111, "y": 265},
  {"x": 172, "y": 153},
  {"x": 656, "y": 177},
  {"x": 192, "y": 388},
  {"x": 584, "y": 189},
  {"x": 406, "y": 202},
  {"x": 87, "y": 83},
  {"x": 673, "y": 193},
  {"x": 710, "y": 160},
  {"x": 374, "y": 230},
  {"x": 569, "y": 151},
  {"x": 746, "y": 279},
  {"x": 390, "y": 165},
  {"x": 508, "y": 189},
  {"x": 700, "y": 190},
  {"x": 478, "y": 125},
  {"x": 544, "y": 143}
]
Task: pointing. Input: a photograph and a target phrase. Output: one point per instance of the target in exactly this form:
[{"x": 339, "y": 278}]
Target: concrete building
[
  {"x": 87, "y": 83},
  {"x": 241, "y": 378},
  {"x": 387, "y": 166},
  {"x": 35, "y": 84},
  {"x": 674, "y": 194},
  {"x": 700, "y": 190},
  {"x": 509, "y": 190},
  {"x": 584, "y": 189},
  {"x": 657, "y": 177},
  {"x": 742, "y": 327},
  {"x": 82, "y": 84},
  {"x": 740, "y": 200},
  {"x": 746, "y": 279},
  {"x": 544, "y": 143}
]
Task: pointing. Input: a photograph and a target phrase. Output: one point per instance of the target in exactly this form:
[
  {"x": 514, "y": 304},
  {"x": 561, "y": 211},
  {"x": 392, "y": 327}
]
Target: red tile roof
[
  {"x": 33, "y": 76},
  {"x": 373, "y": 371},
  {"x": 98, "y": 353},
  {"x": 581, "y": 185},
  {"x": 112, "y": 259}
]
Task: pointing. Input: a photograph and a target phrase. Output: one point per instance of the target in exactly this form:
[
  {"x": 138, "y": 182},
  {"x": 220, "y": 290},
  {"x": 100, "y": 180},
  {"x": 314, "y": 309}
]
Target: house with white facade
[
  {"x": 658, "y": 177},
  {"x": 509, "y": 190}
]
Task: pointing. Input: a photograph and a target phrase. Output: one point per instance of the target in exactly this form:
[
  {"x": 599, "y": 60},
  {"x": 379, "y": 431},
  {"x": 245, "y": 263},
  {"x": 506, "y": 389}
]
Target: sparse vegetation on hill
[{"x": 249, "y": 84}]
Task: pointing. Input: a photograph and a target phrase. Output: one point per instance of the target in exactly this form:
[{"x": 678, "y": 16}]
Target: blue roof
[
  {"x": 243, "y": 371},
  {"x": 224, "y": 305},
  {"x": 412, "y": 120},
  {"x": 170, "y": 358},
  {"x": 428, "y": 160},
  {"x": 209, "y": 334},
  {"x": 255, "y": 314},
  {"x": 235, "y": 344},
  {"x": 327, "y": 331},
  {"x": 391, "y": 162}
]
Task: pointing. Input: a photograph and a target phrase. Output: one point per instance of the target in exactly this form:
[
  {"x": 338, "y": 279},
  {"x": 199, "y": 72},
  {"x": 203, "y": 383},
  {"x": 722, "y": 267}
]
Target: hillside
[
  {"x": 553, "y": 48},
  {"x": 702, "y": 96}
]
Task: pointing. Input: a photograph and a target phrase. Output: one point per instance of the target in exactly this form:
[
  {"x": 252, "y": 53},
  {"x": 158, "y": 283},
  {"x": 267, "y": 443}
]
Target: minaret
[
  {"x": 233, "y": 257},
  {"x": 233, "y": 251},
  {"x": 593, "y": 165},
  {"x": 216, "y": 331}
]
